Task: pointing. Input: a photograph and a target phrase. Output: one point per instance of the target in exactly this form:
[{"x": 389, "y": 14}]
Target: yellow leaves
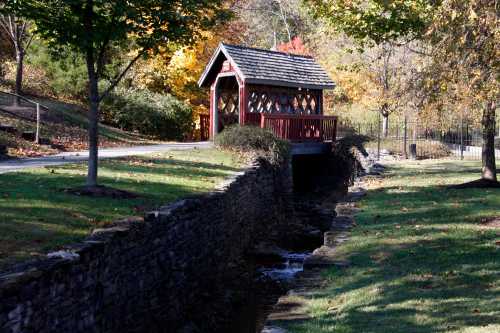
[
  {"x": 472, "y": 14},
  {"x": 177, "y": 70},
  {"x": 184, "y": 69},
  {"x": 355, "y": 86},
  {"x": 454, "y": 15}
]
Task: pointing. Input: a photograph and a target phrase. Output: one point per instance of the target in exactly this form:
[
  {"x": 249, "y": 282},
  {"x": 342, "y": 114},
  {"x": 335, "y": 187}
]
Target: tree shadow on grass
[
  {"x": 420, "y": 262},
  {"x": 171, "y": 167},
  {"x": 448, "y": 168},
  {"x": 37, "y": 214}
]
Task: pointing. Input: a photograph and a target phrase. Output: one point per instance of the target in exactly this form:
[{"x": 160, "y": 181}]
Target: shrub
[
  {"x": 252, "y": 139},
  {"x": 158, "y": 115},
  {"x": 345, "y": 161}
]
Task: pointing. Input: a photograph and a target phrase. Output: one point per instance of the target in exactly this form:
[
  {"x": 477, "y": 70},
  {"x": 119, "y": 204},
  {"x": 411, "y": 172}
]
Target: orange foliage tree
[{"x": 295, "y": 46}]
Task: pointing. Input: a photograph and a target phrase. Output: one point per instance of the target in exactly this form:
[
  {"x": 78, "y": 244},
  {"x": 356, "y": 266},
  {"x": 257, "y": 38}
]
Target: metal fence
[
  {"x": 26, "y": 109},
  {"x": 412, "y": 139}
]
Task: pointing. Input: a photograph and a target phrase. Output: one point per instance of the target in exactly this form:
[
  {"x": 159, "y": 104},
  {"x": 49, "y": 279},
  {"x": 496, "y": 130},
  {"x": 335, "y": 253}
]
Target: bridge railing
[
  {"x": 253, "y": 119},
  {"x": 292, "y": 127},
  {"x": 301, "y": 127}
]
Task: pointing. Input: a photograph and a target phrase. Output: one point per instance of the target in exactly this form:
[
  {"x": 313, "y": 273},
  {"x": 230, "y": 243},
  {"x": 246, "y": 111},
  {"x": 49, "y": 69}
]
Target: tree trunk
[
  {"x": 489, "y": 171},
  {"x": 93, "y": 130},
  {"x": 385, "y": 125},
  {"x": 19, "y": 75},
  {"x": 19, "y": 72}
]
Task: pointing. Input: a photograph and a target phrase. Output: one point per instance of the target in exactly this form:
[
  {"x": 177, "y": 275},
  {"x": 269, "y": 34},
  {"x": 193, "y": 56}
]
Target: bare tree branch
[{"x": 5, "y": 26}]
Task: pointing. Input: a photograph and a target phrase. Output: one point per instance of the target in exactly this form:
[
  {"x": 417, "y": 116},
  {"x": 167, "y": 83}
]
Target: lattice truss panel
[
  {"x": 293, "y": 102},
  {"x": 228, "y": 106}
]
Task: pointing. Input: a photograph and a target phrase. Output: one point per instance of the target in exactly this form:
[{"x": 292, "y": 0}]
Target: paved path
[{"x": 82, "y": 156}]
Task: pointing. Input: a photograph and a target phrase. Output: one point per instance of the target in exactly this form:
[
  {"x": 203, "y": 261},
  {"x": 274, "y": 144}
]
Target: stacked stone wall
[{"x": 156, "y": 275}]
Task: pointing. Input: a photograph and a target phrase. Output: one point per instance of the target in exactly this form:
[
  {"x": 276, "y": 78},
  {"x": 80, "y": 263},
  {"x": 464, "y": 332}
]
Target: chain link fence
[{"x": 412, "y": 139}]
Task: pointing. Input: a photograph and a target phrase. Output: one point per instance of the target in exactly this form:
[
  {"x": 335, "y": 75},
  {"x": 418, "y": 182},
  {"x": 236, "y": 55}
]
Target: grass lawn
[
  {"x": 423, "y": 258},
  {"x": 37, "y": 216}
]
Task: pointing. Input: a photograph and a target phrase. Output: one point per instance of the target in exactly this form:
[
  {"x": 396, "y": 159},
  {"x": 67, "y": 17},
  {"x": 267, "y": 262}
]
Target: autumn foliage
[{"x": 295, "y": 46}]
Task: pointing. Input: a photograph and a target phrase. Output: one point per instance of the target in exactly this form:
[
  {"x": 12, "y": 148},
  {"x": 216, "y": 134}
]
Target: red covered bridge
[{"x": 275, "y": 90}]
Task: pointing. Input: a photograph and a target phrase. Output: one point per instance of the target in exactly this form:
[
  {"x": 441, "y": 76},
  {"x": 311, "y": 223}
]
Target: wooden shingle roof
[{"x": 258, "y": 66}]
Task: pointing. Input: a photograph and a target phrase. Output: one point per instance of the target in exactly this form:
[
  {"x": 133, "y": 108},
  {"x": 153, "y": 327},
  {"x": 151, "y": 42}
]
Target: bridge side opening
[{"x": 227, "y": 103}]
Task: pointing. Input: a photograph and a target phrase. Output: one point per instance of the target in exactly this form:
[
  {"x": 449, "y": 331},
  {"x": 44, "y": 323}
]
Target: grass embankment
[
  {"x": 422, "y": 258},
  {"x": 36, "y": 215},
  {"x": 65, "y": 125}
]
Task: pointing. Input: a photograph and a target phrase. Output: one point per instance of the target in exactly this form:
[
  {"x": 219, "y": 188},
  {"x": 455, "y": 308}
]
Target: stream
[
  {"x": 273, "y": 279},
  {"x": 285, "y": 271}
]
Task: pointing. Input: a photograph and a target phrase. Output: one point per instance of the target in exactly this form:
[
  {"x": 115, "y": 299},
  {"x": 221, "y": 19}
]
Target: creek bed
[{"x": 273, "y": 279}]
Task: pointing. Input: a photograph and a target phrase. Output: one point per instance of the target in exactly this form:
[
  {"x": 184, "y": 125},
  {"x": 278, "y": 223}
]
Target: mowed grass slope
[
  {"x": 36, "y": 215},
  {"x": 423, "y": 258},
  {"x": 65, "y": 125}
]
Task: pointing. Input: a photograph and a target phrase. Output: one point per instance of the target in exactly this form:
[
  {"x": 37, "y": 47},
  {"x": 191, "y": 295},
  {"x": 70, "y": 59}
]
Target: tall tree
[
  {"x": 272, "y": 22},
  {"x": 18, "y": 33},
  {"x": 387, "y": 65},
  {"x": 93, "y": 27},
  {"x": 463, "y": 38}
]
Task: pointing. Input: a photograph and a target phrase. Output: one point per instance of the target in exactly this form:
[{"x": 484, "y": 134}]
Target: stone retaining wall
[{"x": 157, "y": 275}]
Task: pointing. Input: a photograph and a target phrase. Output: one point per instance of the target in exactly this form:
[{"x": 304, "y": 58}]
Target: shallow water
[
  {"x": 292, "y": 264},
  {"x": 274, "y": 280}
]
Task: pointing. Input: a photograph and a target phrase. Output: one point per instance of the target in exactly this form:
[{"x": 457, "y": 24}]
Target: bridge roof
[{"x": 264, "y": 67}]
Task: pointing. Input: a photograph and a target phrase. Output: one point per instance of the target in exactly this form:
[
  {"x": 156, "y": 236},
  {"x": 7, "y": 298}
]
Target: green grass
[
  {"x": 37, "y": 216},
  {"x": 423, "y": 258}
]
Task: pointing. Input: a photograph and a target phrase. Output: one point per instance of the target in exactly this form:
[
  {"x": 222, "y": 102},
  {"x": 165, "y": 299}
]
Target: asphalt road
[{"x": 82, "y": 156}]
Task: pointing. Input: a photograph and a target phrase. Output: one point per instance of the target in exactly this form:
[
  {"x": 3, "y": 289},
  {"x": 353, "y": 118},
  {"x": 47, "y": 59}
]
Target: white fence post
[{"x": 37, "y": 133}]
